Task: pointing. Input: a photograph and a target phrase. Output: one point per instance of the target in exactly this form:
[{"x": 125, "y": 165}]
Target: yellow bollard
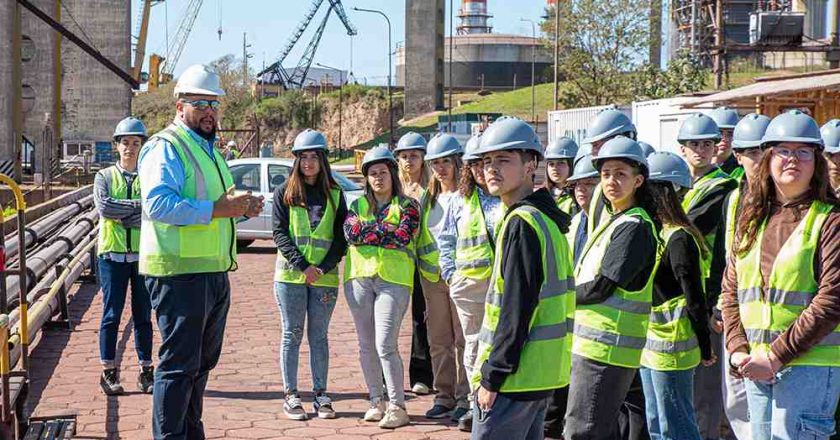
[{"x": 20, "y": 205}]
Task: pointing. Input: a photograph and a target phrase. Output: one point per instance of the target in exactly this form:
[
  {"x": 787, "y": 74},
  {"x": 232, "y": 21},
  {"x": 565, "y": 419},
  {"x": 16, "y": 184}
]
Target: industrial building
[
  {"x": 480, "y": 59},
  {"x": 70, "y": 103}
]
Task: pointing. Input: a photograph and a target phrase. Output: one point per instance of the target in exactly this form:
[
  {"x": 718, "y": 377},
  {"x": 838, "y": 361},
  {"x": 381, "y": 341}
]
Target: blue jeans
[
  {"x": 191, "y": 315},
  {"x": 669, "y": 404},
  {"x": 114, "y": 278},
  {"x": 299, "y": 303},
  {"x": 800, "y": 405}
]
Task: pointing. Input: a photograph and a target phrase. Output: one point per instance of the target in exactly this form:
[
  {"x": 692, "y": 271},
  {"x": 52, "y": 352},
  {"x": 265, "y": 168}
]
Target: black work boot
[
  {"x": 146, "y": 379},
  {"x": 110, "y": 382}
]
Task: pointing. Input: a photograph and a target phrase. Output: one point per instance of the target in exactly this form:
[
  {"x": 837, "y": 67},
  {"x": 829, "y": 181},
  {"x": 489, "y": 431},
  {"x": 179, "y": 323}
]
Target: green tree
[
  {"x": 601, "y": 42},
  {"x": 685, "y": 74}
]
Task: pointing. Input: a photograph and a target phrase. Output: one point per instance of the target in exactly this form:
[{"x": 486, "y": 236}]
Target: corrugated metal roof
[{"x": 769, "y": 87}]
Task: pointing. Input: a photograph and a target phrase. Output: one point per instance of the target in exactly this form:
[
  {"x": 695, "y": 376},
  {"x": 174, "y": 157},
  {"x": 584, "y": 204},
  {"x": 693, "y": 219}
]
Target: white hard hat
[
  {"x": 231, "y": 144},
  {"x": 199, "y": 79}
]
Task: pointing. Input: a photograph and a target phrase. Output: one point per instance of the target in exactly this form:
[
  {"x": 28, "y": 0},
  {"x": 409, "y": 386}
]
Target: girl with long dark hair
[
  {"x": 678, "y": 331},
  {"x": 614, "y": 287},
  {"x": 378, "y": 279},
  {"x": 559, "y": 158},
  {"x": 308, "y": 216}
]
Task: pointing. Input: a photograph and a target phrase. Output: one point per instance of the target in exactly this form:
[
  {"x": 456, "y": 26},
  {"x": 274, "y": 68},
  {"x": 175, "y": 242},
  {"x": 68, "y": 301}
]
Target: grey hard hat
[
  {"x": 510, "y": 133},
  {"x": 471, "y": 150},
  {"x": 411, "y": 141},
  {"x": 607, "y": 123},
  {"x": 442, "y": 145},
  {"x": 647, "y": 148},
  {"x": 831, "y": 136},
  {"x": 561, "y": 148},
  {"x": 669, "y": 167},
  {"x": 380, "y": 153},
  {"x": 725, "y": 117},
  {"x": 792, "y": 126},
  {"x": 749, "y": 131},
  {"x": 130, "y": 126},
  {"x": 621, "y": 147},
  {"x": 698, "y": 127},
  {"x": 583, "y": 168},
  {"x": 309, "y": 139}
]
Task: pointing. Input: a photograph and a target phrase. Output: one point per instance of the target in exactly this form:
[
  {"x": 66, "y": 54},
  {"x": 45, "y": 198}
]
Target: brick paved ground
[{"x": 244, "y": 397}]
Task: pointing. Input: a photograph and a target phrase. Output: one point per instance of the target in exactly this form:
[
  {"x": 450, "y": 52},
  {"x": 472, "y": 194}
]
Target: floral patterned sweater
[{"x": 381, "y": 233}]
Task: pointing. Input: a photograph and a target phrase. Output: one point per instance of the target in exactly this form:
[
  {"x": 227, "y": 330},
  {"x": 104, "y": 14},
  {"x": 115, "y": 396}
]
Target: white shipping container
[
  {"x": 658, "y": 121},
  {"x": 572, "y": 123}
]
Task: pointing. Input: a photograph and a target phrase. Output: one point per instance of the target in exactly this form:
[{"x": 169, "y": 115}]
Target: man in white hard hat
[
  {"x": 187, "y": 246},
  {"x": 231, "y": 152}
]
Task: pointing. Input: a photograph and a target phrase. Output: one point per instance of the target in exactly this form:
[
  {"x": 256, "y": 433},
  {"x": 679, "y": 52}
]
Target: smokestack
[{"x": 474, "y": 18}]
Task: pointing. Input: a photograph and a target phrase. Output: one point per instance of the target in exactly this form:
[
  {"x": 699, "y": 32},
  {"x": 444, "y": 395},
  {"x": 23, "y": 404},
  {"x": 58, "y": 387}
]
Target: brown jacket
[{"x": 822, "y": 315}]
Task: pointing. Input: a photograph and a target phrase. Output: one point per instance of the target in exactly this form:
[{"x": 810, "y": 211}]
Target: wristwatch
[{"x": 319, "y": 270}]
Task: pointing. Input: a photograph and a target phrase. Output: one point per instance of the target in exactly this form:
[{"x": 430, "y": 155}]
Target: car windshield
[{"x": 345, "y": 183}]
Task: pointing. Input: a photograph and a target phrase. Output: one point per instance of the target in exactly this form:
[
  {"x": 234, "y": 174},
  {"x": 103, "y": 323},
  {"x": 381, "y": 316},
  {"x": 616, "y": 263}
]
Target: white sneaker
[
  {"x": 293, "y": 408},
  {"x": 376, "y": 411},
  {"x": 394, "y": 418},
  {"x": 421, "y": 389}
]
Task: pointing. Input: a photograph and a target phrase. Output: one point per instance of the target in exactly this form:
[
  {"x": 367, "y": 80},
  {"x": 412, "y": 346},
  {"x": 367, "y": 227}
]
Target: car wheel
[{"x": 242, "y": 244}]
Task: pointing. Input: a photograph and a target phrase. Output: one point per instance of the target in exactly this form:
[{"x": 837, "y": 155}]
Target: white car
[{"x": 261, "y": 176}]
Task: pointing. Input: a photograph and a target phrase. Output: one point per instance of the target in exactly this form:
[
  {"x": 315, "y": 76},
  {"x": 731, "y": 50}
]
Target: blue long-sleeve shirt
[
  {"x": 162, "y": 179},
  {"x": 448, "y": 237}
]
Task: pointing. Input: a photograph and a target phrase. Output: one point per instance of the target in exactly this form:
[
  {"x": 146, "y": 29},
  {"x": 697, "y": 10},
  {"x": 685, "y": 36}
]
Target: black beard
[{"x": 208, "y": 135}]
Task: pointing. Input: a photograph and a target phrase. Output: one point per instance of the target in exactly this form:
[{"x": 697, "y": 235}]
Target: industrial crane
[
  {"x": 275, "y": 73},
  {"x": 162, "y": 67}
]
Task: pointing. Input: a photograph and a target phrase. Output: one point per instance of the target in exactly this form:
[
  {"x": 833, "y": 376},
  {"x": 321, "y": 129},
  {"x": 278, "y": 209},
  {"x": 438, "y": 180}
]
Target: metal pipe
[
  {"x": 42, "y": 227},
  {"x": 42, "y": 260}
]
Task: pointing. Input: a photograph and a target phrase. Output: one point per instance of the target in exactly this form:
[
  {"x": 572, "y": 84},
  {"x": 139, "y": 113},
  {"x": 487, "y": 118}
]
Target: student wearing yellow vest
[
  {"x": 726, "y": 119},
  {"x": 117, "y": 198},
  {"x": 446, "y": 340},
  {"x": 583, "y": 182},
  {"x": 559, "y": 155},
  {"x": 698, "y": 137},
  {"x": 746, "y": 147},
  {"x": 614, "y": 283},
  {"x": 606, "y": 125},
  {"x": 523, "y": 353},
  {"x": 381, "y": 229},
  {"x": 831, "y": 137},
  {"x": 308, "y": 223},
  {"x": 414, "y": 177},
  {"x": 781, "y": 308},
  {"x": 466, "y": 254},
  {"x": 187, "y": 246},
  {"x": 678, "y": 331}
]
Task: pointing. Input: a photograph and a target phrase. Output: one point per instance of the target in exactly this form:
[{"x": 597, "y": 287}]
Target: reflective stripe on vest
[
  {"x": 768, "y": 311},
  {"x": 615, "y": 331},
  {"x": 551, "y": 324},
  {"x": 395, "y": 266},
  {"x": 671, "y": 342},
  {"x": 427, "y": 252},
  {"x": 313, "y": 244},
  {"x": 599, "y": 210},
  {"x": 566, "y": 203},
  {"x": 570, "y": 236},
  {"x": 113, "y": 237},
  {"x": 473, "y": 251},
  {"x": 167, "y": 250}
]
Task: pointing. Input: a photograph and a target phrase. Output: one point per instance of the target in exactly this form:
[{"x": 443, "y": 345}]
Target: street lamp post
[
  {"x": 533, "y": 69},
  {"x": 390, "y": 97},
  {"x": 340, "y": 104}
]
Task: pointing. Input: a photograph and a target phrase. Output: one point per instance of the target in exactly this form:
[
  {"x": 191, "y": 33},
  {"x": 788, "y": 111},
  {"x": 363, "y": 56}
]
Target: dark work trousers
[
  {"x": 191, "y": 313},
  {"x": 708, "y": 395},
  {"x": 596, "y": 395},
  {"x": 420, "y": 365},
  {"x": 632, "y": 420},
  {"x": 114, "y": 278},
  {"x": 556, "y": 413}
]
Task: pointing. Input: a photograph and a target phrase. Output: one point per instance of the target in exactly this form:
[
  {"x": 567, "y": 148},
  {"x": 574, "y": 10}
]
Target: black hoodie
[{"x": 523, "y": 275}]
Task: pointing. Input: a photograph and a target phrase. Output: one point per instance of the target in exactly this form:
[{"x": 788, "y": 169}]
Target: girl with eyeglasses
[{"x": 781, "y": 307}]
